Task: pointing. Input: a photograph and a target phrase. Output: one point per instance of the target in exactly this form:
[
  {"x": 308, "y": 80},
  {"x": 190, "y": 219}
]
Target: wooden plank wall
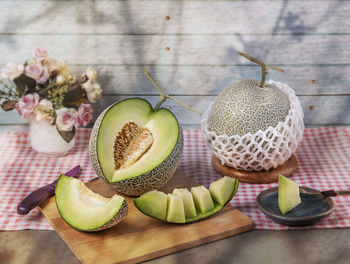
[{"x": 190, "y": 47}]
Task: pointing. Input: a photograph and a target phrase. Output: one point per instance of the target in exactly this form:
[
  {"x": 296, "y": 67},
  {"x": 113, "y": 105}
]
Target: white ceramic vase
[{"x": 45, "y": 139}]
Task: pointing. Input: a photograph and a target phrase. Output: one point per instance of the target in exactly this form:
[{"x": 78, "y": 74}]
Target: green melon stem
[
  {"x": 264, "y": 68},
  {"x": 264, "y": 72},
  {"x": 164, "y": 96}
]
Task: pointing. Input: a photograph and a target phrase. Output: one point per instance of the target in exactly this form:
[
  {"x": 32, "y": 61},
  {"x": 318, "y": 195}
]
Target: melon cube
[
  {"x": 176, "y": 211},
  {"x": 288, "y": 194},
  {"x": 221, "y": 190},
  {"x": 202, "y": 199},
  {"x": 187, "y": 198}
]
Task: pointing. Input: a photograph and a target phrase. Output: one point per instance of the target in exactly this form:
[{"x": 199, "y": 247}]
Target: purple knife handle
[
  {"x": 73, "y": 172},
  {"x": 40, "y": 195},
  {"x": 35, "y": 198}
]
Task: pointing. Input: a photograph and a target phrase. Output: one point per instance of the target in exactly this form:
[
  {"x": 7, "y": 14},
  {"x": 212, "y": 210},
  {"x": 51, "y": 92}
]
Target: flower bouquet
[{"x": 43, "y": 91}]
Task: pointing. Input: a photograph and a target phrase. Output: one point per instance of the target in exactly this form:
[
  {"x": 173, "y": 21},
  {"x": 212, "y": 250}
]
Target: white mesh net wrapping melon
[{"x": 264, "y": 149}]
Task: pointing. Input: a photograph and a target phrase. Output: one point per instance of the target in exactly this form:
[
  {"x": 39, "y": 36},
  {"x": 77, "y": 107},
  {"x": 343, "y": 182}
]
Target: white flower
[
  {"x": 91, "y": 74},
  {"x": 60, "y": 79},
  {"x": 66, "y": 118},
  {"x": 12, "y": 71},
  {"x": 93, "y": 91},
  {"x": 57, "y": 66},
  {"x": 44, "y": 110}
]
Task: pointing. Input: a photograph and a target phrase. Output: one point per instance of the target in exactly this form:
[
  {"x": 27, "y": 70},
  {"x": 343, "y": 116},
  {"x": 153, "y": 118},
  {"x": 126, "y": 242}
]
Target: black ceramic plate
[{"x": 314, "y": 206}]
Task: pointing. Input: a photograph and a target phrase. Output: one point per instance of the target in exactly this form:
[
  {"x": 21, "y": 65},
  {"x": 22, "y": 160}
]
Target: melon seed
[{"x": 131, "y": 143}]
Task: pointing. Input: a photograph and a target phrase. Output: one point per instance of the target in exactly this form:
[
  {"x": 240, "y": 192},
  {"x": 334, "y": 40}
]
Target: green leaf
[
  {"x": 74, "y": 93},
  {"x": 67, "y": 135},
  {"x": 25, "y": 84}
]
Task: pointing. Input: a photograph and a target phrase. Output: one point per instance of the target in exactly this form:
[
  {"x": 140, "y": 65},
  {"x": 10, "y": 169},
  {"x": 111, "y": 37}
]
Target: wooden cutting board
[{"x": 140, "y": 238}]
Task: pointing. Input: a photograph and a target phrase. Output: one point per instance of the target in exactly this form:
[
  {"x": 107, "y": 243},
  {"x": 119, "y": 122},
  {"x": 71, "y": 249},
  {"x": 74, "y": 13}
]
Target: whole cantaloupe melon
[
  {"x": 245, "y": 107},
  {"x": 253, "y": 125}
]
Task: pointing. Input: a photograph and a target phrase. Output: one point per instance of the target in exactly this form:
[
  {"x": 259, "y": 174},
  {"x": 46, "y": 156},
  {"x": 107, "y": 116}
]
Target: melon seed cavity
[{"x": 131, "y": 143}]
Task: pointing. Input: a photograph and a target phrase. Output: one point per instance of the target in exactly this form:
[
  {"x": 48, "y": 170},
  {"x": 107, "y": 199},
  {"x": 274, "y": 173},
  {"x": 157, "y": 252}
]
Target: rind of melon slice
[
  {"x": 221, "y": 190},
  {"x": 288, "y": 194},
  {"x": 187, "y": 198},
  {"x": 153, "y": 203},
  {"x": 202, "y": 199},
  {"x": 176, "y": 211}
]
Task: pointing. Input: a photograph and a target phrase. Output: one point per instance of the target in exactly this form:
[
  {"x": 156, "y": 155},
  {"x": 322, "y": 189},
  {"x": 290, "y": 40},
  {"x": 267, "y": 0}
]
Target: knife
[{"x": 40, "y": 195}]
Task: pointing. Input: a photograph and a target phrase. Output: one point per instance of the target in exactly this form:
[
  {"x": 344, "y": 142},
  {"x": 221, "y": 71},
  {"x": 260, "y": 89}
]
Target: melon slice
[
  {"x": 221, "y": 190},
  {"x": 288, "y": 194},
  {"x": 202, "y": 199},
  {"x": 187, "y": 198},
  {"x": 134, "y": 147},
  {"x": 145, "y": 203},
  {"x": 86, "y": 210},
  {"x": 176, "y": 211},
  {"x": 153, "y": 204}
]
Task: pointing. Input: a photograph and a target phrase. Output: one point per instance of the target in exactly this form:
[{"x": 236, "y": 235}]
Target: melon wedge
[
  {"x": 187, "y": 198},
  {"x": 221, "y": 190},
  {"x": 153, "y": 204},
  {"x": 176, "y": 211},
  {"x": 86, "y": 210},
  {"x": 146, "y": 203},
  {"x": 202, "y": 199},
  {"x": 288, "y": 194}
]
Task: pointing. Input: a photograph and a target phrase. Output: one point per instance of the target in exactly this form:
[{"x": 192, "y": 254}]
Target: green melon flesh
[
  {"x": 187, "y": 198},
  {"x": 86, "y": 210},
  {"x": 288, "y": 194},
  {"x": 176, "y": 211},
  {"x": 153, "y": 204},
  {"x": 202, "y": 199},
  {"x": 162, "y": 124},
  {"x": 221, "y": 190},
  {"x": 152, "y": 161}
]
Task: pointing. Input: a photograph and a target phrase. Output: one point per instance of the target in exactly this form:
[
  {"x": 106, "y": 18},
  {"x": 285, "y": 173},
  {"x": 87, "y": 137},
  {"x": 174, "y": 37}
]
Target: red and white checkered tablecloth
[{"x": 323, "y": 157}]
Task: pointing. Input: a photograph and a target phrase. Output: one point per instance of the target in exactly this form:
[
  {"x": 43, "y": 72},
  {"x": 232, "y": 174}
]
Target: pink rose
[
  {"x": 66, "y": 118},
  {"x": 84, "y": 114},
  {"x": 37, "y": 72},
  {"x": 40, "y": 54},
  {"x": 26, "y": 105}
]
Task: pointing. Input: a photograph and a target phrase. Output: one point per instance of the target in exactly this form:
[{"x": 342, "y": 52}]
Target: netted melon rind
[
  {"x": 262, "y": 150},
  {"x": 122, "y": 213},
  {"x": 244, "y": 108},
  {"x": 154, "y": 179}
]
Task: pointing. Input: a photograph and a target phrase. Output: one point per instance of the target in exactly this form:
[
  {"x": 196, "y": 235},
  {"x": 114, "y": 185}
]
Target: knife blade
[{"x": 40, "y": 195}]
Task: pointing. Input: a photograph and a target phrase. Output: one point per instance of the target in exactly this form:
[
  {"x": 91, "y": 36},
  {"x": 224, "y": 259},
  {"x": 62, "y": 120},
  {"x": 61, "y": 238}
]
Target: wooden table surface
[
  {"x": 190, "y": 47},
  {"x": 257, "y": 246}
]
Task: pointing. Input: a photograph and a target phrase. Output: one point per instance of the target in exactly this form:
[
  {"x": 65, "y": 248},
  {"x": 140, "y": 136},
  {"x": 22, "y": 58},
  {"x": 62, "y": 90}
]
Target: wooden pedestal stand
[{"x": 286, "y": 169}]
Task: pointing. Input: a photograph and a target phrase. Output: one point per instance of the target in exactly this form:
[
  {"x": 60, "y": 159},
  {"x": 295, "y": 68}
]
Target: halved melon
[
  {"x": 135, "y": 148},
  {"x": 86, "y": 210},
  {"x": 148, "y": 205}
]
